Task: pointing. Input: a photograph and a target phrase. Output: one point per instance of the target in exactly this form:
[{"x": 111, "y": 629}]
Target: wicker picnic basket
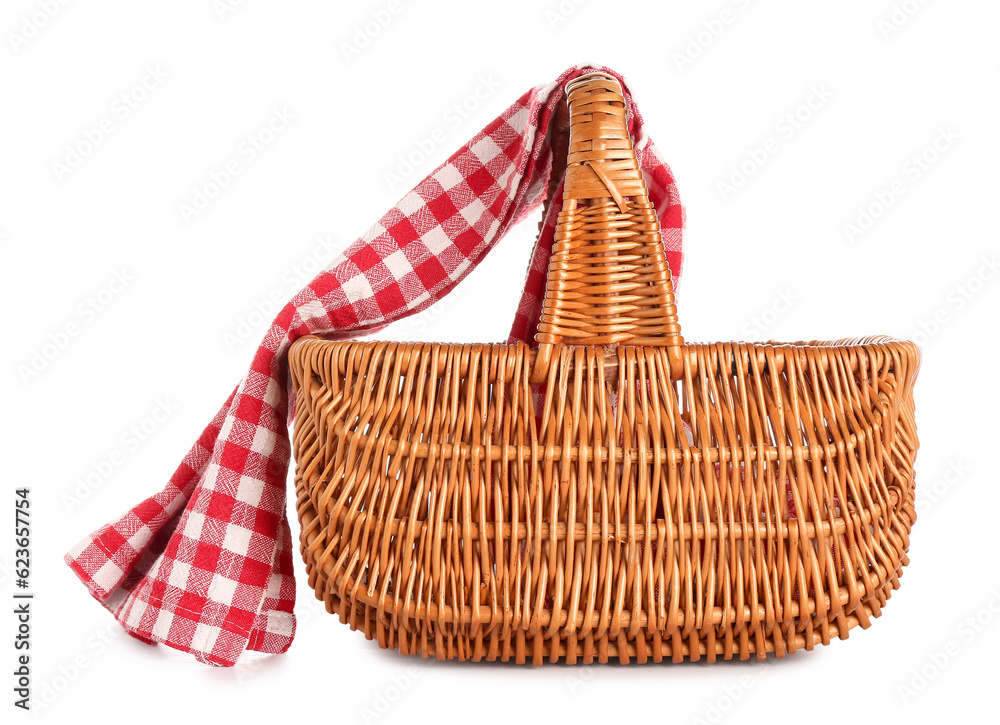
[{"x": 614, "y": 493}]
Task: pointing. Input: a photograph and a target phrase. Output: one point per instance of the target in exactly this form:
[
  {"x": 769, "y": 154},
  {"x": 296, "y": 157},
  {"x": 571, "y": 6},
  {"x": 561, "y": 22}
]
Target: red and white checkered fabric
[{"x": 206, "y": 564}]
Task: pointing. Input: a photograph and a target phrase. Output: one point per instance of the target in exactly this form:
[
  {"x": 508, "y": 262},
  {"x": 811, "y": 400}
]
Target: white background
[{"x": 771, "y": 257}]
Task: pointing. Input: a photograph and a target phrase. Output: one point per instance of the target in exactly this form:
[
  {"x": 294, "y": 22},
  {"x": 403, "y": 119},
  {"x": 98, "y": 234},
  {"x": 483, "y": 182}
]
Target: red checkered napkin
[{"x": 206, "y": 564}]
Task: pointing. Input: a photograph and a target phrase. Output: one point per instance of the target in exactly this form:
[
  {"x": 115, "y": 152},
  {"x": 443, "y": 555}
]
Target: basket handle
[{"x": 608, "y": 279}]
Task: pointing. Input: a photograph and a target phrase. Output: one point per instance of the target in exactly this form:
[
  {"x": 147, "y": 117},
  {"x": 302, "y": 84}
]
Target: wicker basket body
[{"x": 614, "y": 493}]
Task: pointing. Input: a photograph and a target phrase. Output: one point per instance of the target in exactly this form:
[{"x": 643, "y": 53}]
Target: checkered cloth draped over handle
[{"x": 205, "y": 565}]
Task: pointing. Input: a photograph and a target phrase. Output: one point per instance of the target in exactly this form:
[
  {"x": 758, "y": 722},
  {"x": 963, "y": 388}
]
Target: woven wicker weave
[{"x": 651, "y": 499}]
